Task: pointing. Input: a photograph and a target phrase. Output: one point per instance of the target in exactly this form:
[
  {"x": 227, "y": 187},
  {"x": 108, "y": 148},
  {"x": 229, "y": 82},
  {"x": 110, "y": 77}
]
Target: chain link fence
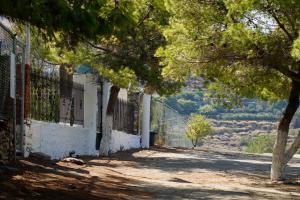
[
  {"x": 12, "y": 75},
  {"x": 169, "y": 125}
]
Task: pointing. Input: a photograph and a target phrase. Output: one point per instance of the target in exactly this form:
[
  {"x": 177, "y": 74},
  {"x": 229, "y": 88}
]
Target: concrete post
[
  {"x": 90, "y": 106},
  {"x": 146, "y": 121},
  {"x": 90, "y": 111}
]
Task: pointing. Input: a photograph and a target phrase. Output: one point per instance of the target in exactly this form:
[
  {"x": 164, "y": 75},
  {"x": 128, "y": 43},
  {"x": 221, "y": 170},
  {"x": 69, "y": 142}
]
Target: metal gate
[{"x": 12, "y": 76}]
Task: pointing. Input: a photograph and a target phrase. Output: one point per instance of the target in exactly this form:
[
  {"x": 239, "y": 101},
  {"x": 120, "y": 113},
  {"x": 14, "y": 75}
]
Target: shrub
[
  {"x": 197, "y": 128},
  {"x": 261, "y": 144}
]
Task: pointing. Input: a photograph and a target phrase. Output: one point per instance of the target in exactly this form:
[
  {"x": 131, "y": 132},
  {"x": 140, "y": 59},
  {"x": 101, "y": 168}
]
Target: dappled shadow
[
  {"x": 39, "y": 180},
  {"x": 139, "y": 174},
  {"x": 166, "y": 193},
  {"x": 229, "y": 162}
]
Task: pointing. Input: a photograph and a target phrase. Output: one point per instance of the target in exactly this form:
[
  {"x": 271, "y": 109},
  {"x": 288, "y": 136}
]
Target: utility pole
[{"x": 26, "y": 63}]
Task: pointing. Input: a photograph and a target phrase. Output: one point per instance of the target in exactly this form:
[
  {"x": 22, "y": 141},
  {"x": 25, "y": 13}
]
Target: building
[{"x": 59, "y": 114}]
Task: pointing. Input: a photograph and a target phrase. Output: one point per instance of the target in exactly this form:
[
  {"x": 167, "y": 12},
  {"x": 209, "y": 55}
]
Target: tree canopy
[
  {"x": 72, "y": 19},
  {"x": 243, "y": 46},
  {"x": 126, "y": 56}
]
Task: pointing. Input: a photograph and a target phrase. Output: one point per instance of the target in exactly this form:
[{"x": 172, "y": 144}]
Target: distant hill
[{"x": 194, "y": 101}]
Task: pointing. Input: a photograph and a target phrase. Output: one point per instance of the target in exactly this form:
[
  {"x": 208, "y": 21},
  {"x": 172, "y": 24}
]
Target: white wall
[
  {"x": 112, "y": 140},
  {"x": 123, "y": 141},
  {"x": 57, "y": 140}
]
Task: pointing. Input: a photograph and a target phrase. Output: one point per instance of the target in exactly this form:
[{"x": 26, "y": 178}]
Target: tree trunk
[
  {"x": 114, "y": 92},
  {"x": 279, "y": 160},
  {"x": 105, "y": 144}
]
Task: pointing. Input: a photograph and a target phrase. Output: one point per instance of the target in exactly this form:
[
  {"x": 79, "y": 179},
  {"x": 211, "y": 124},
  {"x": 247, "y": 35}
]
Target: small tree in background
[{"x": 197, "y": 128}]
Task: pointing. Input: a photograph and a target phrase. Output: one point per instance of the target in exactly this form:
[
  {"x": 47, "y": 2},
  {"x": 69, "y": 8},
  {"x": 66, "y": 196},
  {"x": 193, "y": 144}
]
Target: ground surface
[{"x": 158, "y": 173}]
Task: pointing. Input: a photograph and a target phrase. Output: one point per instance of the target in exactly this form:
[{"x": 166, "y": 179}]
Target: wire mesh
[
  {"x": 6, "y": 48},
  {"x": 11, "y": 110},
  {"x": 169, "y": 125}
]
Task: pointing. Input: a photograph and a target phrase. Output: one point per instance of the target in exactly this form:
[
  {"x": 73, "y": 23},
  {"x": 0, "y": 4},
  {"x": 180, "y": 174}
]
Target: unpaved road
[{"x": 159, "y": 173}]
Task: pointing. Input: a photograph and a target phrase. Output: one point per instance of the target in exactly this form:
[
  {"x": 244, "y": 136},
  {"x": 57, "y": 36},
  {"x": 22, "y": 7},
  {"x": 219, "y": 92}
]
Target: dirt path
[{"x": 152, "y": 174}]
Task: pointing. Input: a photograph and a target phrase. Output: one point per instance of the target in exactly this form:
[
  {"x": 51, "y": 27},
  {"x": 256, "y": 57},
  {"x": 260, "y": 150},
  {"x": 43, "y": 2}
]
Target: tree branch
[
  {"x": 290, "y": 74},
  {"x": 281, "y": 25},
  {"x": 97, "y": 46}
]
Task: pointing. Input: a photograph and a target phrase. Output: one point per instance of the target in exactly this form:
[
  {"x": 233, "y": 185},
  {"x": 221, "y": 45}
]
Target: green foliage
[
  {"x": 207, "y": 109},
  {"x": 189, "y": 102},
  {"x": 248, "y": 116},
  {"x": 239, "y": 48},
  {"x": 261, "y": 144},
  {"x": 72, "y": 20},
  {"x": 126, "y": 54},
  {"x": 197, "y": 128},
  {"x": 189, "y": 105}
]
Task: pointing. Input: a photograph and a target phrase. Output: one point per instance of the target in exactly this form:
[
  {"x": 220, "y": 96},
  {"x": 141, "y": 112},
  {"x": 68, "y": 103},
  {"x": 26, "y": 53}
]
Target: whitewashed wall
[
  {"x": 123, "y": 141},
  {"x": 58, "y": 140},
  {"x": 112, "y": 140}
]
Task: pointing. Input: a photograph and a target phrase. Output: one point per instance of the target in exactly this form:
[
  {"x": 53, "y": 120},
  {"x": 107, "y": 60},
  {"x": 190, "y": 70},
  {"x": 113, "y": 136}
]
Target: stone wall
[{"x": 5, "y": 143}]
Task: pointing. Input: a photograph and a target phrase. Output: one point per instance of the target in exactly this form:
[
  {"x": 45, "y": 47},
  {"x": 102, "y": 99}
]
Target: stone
[{"x": 74, "y": 160}]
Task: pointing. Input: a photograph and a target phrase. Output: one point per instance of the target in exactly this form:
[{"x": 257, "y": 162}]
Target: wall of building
[
  {"x": 58, "y": 140},
  {"x": 122, "y": 141}
]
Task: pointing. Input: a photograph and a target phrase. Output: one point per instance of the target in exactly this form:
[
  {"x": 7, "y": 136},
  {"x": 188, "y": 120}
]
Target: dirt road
[{"x": 158, "y": 173}]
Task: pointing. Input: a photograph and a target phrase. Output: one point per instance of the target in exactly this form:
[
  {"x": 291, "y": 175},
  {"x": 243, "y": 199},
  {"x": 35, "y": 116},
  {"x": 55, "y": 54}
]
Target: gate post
[{"x": 146, "y": 121}]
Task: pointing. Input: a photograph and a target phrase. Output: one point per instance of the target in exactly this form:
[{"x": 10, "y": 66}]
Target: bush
[
  {"x": 197, "y": 128},
  {"x": 261, "y": 144}
]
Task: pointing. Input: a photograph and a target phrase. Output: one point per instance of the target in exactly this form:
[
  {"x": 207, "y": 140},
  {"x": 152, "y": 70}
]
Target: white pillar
[
  {"x": 90, "y": 112},
  {"x": 146, "y": 121}
]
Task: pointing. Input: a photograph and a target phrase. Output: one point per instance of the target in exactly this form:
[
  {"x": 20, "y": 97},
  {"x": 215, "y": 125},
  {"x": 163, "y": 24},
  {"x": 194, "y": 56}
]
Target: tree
[
  {"x": 197, "y": 128},
  {"x": 73, "y": 20},
  {"x": 125, "y": 56},
  {"x": 243, "y": 48}
]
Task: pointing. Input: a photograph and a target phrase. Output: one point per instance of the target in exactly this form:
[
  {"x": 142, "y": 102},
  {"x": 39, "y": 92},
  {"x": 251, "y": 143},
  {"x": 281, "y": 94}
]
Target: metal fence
[
  {"x": 12, "y": 76},
  {"x": 53, "y": 98},
  {"x": 169, "y": 125},
  {"x": 126, "y": 117},
  {"x": 44, "y": 96}
]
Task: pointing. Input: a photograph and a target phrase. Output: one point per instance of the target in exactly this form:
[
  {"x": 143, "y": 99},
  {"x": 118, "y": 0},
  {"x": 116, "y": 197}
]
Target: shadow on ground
[{"x": 158, "y": 173}]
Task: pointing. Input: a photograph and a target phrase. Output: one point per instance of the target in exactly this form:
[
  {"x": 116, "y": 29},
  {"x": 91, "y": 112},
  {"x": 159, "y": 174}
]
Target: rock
[
  {"x": 74, "y": 160},
  {"x": 40, "y": 155}
]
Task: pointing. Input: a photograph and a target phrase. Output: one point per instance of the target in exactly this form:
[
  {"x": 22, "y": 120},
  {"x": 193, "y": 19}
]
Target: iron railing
[
  {"x": 54, "y": 99},
  {"x": 126, "y": 117}
]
